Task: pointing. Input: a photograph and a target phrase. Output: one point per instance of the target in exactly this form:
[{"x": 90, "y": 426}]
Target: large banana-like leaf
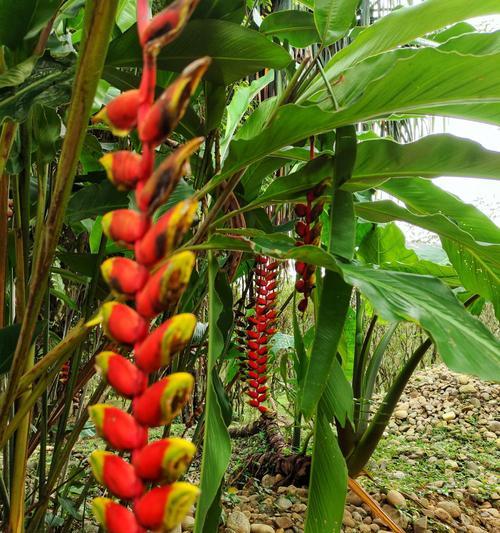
[
  {"x": 478, "y": 273},
  {"x": 235, "y": 51},
  {"x": 428, "y": 81},
  {"x": 296, "y": 27},
  {"x": 463, "y": 342},
  {"x": 399, "y": 28},
  {"x": 474, "y": 43},
  {"x": 333, "y": 18}
]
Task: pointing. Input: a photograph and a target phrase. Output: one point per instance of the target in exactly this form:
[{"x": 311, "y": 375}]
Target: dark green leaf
[
  {"x": 94, "y": 200},
  {"x": 235, "y": 51},
  {"x": 296, "y": 27}
]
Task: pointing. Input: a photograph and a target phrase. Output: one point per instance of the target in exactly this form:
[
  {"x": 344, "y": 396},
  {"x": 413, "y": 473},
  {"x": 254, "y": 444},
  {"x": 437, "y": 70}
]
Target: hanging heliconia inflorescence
[
  {"x": 261, "y": 329},
  {"x": 152, "y": 284}
]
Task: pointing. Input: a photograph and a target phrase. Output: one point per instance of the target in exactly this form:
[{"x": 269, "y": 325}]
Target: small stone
[
  {"x": 268, "y": 481},
  {"x": 348, "y": 520},
  {"x": 420, "y": 525},
  {"x": 449, "y": 415},
  {"x": 494, "y": 426},
  {"x": 469, "y": 388},
  {"x": 188, "y": 523},
  {"x": 463, "y": 379},
  {"x": 451, "y": 507},
  {"x": 354, "y": 499},
  {"x": 396, "y": 499},
  {"x": 261, "y": 528},
  {"x": 450, "y": 464},
  {"x": 401, "y": 414},
  {"x": 443, "y": 515},
  {"x": 238, "y": 522},
  {"x": 283, "y": 503},
  {"x": 283, "y": 522}
]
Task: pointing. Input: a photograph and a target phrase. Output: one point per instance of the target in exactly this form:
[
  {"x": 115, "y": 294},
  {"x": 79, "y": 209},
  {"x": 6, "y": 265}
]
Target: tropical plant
[{"x": 314, "y": 79}]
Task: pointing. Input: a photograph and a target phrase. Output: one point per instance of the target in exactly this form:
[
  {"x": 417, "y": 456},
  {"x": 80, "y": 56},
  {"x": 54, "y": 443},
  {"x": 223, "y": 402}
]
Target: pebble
[
  {"x": 449, "y": 415},
  {"x": 261, "y": 528},
  {"x": 238, "y": 522},
  {"x": 283, "y": 503},
  {"x": 451, "y": 507},
  {"x": 396, "y": 499}
]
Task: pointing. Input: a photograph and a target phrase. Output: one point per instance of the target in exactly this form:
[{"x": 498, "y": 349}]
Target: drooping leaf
[
  {"x": 432, "y": 81},
  {"x": 462, "y": 341},
  {"x": 333, "y": 18},
  {"x": 400, "y": 27},
  {"x": 235, "y": 51},
  {"x": 477, "y": 263},
  {"x": 429, "y": 157},
  {"x": 295, "y": 27}
]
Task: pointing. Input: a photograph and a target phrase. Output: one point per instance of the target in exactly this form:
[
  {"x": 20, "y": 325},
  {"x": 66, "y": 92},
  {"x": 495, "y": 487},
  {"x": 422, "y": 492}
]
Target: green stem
[
  {"x": 370, "y": 439},
  {"x": 99, "y": 20}
]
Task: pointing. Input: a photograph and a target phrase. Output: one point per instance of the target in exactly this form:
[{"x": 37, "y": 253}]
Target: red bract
[
  {"x": 165, "y": 507},
  {"x": 114, "y": 517},
  {"x": 169, "y": 109},
  {"x": 163, "y": 343},
  {"x": 164, "y": 400},
  {"x": 116, "y": 474},
  {"x": 166, "y": 177},
  {"x": 122, "y": 324},
  {"x": 123, "y": 169},
  {"x": 166, "y": 234},
  {"x": 125, "y": 226},
  {"x": 121, "y": 113},
  {"x": 309, "y": 231},
  {"x": 261, "y": 330},
  {"x": 124, "y": 276},
  {"x": 154, "y": 283},
  {"x": 166, "y": 285},
  {"x": 121, "y": 374},
  {"x": 164, "y": 460},
  {"x": 119, "y": 429}
]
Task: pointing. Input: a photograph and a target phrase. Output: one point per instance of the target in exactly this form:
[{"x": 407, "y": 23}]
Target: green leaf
[
  {"x": 235, "y": 51},
  {"x": 328, "y": 482},
  {"x": 429, "y": 157},
  {"x": 23, "y": 18},
  {"x": 474, "y": 43},
  {"x": 232, "y": 10},
  {"x": 400, "y": 27},
  {"x": 462, "y": 341},
  {"x": 425, "y": 198},
  {"x": 49, "y": 84},
  {"x": 46, "y": 132},
  {"x": 427, "y": 81},
  {"x": 386, "y": 244},
  {"x": 238, "y": 106},
  {"x": 216, "y": 443},
  {"x": 296, "y": 27},
  {"x": 126, "y": 14},
  {"x": 333, "y": 308},
  {"x": 93, "y": 200},
  {"x": 8, "y": 342},
  {"x": 18, "y": 74},
  {"x": 333, "y": 18}
]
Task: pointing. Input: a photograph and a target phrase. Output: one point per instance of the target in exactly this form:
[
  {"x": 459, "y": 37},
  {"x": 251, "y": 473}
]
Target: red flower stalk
[
  {"x": 261, "y": 329},
  {"x": 308, "y": 230},
  {"x": 154, "y": 283}
]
